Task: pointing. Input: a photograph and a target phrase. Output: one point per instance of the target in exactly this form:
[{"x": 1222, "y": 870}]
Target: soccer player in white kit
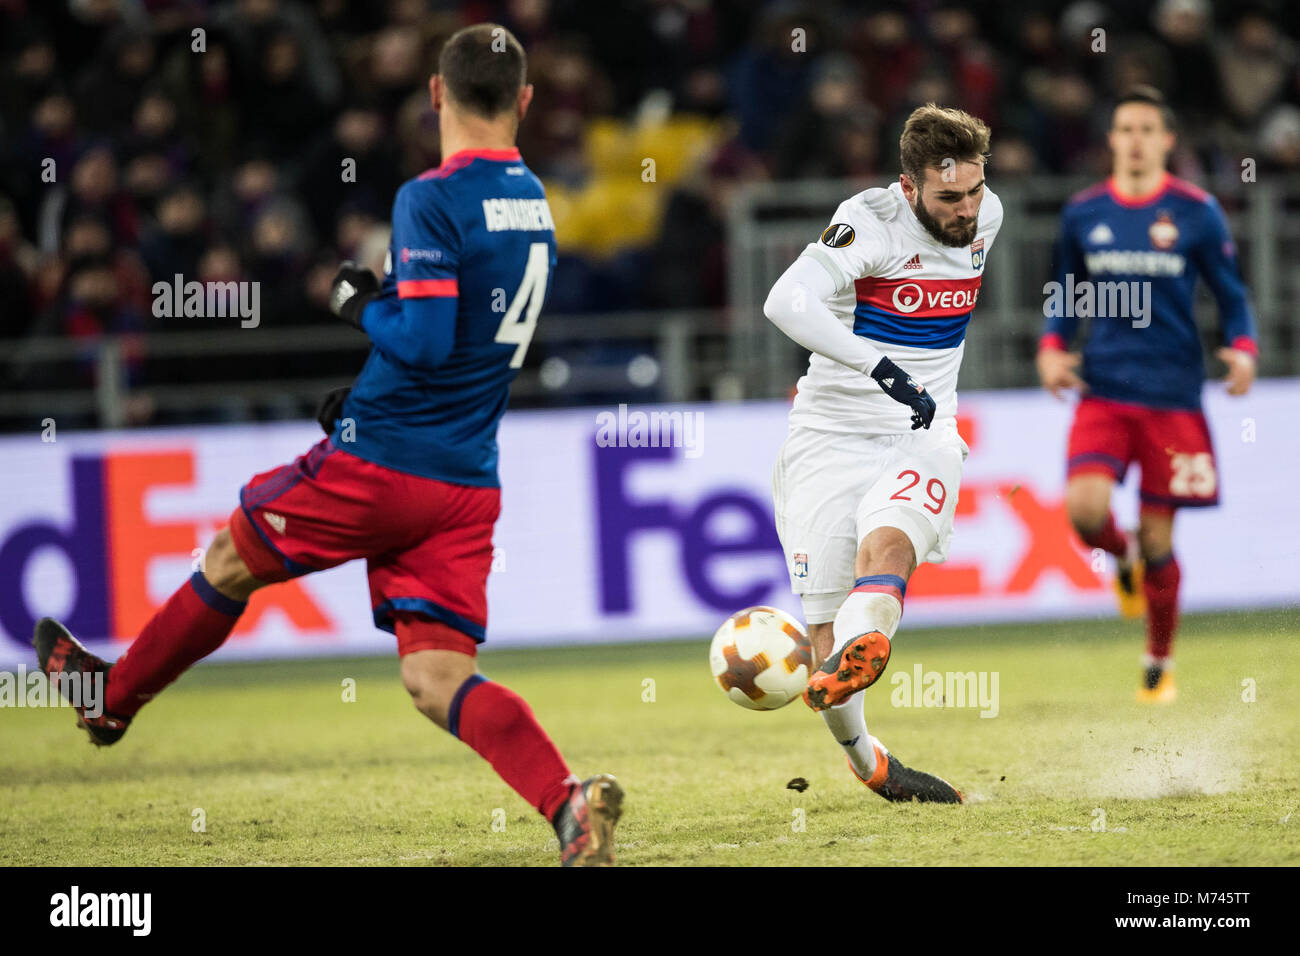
[{"x": 866, "y": 483}]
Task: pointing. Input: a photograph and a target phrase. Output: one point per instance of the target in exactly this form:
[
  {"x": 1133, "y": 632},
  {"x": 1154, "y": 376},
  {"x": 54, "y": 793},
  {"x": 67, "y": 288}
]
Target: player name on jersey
[{"x": 525, "y": 215}]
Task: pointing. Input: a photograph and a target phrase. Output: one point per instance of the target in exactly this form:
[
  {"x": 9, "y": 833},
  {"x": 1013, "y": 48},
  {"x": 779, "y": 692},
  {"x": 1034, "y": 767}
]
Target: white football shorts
[{"x": 831, "y": 490}]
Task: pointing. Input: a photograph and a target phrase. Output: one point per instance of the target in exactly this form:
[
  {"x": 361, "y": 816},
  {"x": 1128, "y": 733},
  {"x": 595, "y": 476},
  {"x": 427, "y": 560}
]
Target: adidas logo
[
  {"x": 914, "y": 262},
  {"x": 889, "y": 383},
  {"x": 275, "y": 521}
]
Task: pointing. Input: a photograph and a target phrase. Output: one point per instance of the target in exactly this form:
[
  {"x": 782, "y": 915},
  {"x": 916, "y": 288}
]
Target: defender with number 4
[
  {"x": 407, "y": 478},
  {"x": 866, "y": 483}
]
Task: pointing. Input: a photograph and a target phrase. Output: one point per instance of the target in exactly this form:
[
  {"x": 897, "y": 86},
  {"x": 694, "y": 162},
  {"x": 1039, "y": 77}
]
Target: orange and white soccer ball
[{"x": 761, "y": 658}]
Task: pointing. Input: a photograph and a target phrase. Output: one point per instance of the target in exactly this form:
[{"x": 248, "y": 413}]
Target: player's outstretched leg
[
  {"x": 194, "y": 622},
  {"x": 440, "y": 673},
  {"x": 864, "y": 625},
  {"x": 900, "y": 784}
]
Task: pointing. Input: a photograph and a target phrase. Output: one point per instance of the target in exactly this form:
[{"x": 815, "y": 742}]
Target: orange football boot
[
  {"x": 1128, "y": 581},
  {"x": 1157, "y": 685},
  {"x": 854, "y": 667},
  {"x": 900, "y": 784}
]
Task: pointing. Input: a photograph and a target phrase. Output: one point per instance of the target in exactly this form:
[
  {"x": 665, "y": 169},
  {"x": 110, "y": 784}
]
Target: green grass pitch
[{"x": 279, "y": 769}]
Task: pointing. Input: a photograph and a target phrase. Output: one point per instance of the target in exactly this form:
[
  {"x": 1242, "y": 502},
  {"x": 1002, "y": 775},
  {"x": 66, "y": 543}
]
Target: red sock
[
  {"x": 499, "y": 725},
  {"x": 1108, "y": 537},
  {"x": 193, "y": 623},
  {"x": 1160, "y": 582}
]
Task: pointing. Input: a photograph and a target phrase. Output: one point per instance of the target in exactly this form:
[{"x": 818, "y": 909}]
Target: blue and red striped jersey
[
  {"x": 468, "y": 270},
  {"x": 1145, "y": 254}
]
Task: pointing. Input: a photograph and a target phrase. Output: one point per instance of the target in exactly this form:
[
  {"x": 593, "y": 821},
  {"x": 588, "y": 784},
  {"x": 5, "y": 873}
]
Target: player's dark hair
[
  {"x": 1152, "y": 97},
  {"x": 483, "y": 67},
  {"x": 934, "y": 134}
]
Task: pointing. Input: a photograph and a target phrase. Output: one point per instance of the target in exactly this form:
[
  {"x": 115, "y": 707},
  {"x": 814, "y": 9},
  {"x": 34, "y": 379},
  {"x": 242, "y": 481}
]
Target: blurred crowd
[{"x": 131, "y": 152}]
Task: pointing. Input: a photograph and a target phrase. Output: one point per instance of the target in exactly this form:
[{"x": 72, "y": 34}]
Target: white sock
[
  {"x": 865, "y": 611},
  {"x": 848, "y": 724},
  {"x": 861, "y": 613}
]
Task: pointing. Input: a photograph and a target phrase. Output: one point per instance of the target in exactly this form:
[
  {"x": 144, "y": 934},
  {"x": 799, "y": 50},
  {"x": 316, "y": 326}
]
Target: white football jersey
[{"x": 907, "y": 293}]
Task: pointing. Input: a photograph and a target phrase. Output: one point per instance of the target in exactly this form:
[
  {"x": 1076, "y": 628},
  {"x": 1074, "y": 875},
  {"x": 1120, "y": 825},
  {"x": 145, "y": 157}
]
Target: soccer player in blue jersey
[
  {"x": 407, "y": 478},
  {"x": 1130, "y": 252}
]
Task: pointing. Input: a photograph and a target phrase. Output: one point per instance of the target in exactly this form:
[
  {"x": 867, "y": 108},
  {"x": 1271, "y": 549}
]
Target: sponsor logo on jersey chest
[
  {"x": 1134, "y": 262},
  {"x": 922, "y": 297}
]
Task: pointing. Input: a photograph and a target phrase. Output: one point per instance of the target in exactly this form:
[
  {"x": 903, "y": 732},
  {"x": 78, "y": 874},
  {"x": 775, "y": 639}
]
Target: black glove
[
  {"x": 352, "y": 288},
  {"x": 331, "y": 407},
  {"x": 900, "y": 386}
]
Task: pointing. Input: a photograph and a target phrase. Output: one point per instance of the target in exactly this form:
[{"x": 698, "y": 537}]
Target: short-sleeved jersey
[
  {"x": 909, "y": 294},
  {"x": 475, "y": 231},
  {"x": 1133, "y": 263}
]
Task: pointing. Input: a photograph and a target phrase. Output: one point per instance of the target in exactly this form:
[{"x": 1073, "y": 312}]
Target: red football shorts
[
  {"x": 1171, "y": 446},
  {"x": 427, "y": 543}
]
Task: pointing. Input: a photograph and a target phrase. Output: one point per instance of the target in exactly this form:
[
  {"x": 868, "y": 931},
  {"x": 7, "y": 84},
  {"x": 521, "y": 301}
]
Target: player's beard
[{"x": 954, "y": 235}]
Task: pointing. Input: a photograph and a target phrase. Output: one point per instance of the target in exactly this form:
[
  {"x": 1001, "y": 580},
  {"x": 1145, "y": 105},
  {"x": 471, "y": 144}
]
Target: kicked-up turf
[{"x": 269, "y": 763}]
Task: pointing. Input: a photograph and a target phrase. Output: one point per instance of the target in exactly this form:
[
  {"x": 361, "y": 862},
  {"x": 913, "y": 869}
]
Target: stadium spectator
[
  {"x": 17, "y": 270},
  {"x": 358, "y": 135},
  {"x": 833, "y": 133},
  {"x": 176, "y": 242},
  {"x": 688, "y": 263},
  {"x": 769, "y": 79},
  {"x": 1193, "y": 85},
  {"x": 1256, "y": 63}
]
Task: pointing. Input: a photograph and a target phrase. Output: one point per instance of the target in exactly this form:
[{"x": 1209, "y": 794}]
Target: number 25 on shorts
[{"x": 1193, "y": 476}]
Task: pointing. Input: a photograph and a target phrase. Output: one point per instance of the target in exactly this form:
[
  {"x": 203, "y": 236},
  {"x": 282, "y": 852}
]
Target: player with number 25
[{"x": 1141, "y": 375}]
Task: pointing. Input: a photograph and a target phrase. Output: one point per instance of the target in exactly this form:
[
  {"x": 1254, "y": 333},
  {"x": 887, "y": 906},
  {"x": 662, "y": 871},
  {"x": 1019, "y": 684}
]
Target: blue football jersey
[
  {"x": 469, "y": 264},
  {"x": 1155, "y": 247}
]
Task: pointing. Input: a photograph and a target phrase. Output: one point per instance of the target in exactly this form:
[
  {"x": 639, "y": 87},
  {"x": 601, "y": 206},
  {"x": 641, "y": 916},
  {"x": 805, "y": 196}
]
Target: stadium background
[{"x": 689, "y": 150}]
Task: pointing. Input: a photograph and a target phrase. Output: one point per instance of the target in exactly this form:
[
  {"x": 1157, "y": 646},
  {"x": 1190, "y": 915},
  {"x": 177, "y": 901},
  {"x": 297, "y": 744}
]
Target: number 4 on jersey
[{"x": 531, "y": 293}]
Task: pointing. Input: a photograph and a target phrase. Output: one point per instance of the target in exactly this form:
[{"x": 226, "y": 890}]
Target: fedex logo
[
  {"x": 623, "y": 517},
  {"x": 924, "y": 298},
  {"x": 109, "y": 541}
]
